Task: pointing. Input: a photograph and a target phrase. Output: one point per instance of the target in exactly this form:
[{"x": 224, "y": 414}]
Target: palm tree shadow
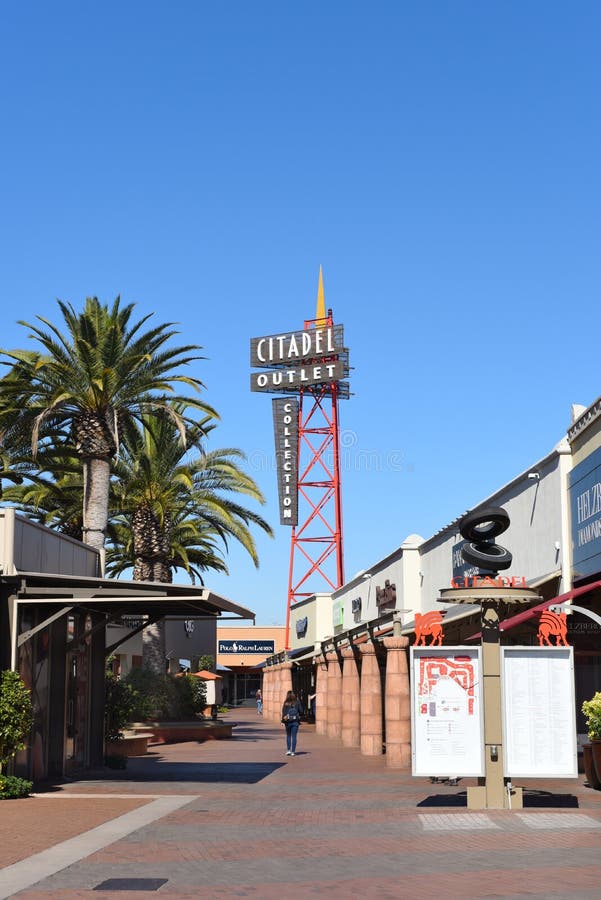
[{"x": 148, "y": 769}]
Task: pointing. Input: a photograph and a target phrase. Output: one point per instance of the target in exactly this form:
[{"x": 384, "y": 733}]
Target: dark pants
[{"x": 291, "y": 732}]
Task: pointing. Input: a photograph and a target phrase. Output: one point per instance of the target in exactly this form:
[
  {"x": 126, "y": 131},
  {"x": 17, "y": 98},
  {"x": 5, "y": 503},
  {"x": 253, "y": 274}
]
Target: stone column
[
  {"x": 321, "y": 695},
  {"x": 334, "y": 727},
  {"x": 285, "y": 686},
  {"x": 371, "y": 702},
  {"x": 277, "y": 693},
  {"x": 267, "y": 691},
  {"x": 397, "y": 704},
  {"x": 351, "y": 700},
  {"x": 274, "y": 694},
  {"x": 272, "y": 691}
]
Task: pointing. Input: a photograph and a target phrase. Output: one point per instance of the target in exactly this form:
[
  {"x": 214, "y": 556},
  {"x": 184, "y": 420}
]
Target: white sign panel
[
  {"x": 446, "y": 711},
  {"x": 539, "y": 715}
]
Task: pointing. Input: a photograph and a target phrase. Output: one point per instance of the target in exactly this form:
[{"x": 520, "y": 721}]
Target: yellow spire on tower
[{"x": 321, "y": 303}]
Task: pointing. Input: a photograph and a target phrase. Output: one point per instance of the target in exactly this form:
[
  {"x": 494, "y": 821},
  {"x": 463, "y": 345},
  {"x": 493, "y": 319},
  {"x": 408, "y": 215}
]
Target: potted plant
[
  {"x": 118, "y": 705},
  {"x": 592, "y": 764},
  {"x": 16, "y": 720}
]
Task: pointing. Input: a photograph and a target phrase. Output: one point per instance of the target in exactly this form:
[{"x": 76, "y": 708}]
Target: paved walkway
[{"x": 228, "y": 819}]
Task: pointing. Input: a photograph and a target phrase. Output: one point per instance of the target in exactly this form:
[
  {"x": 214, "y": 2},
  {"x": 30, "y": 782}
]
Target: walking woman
[{"x": 291, "y": 713}]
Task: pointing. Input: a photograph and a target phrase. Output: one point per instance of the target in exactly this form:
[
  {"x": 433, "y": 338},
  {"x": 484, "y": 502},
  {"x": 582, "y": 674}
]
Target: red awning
[{"x": 528, "y": 614}]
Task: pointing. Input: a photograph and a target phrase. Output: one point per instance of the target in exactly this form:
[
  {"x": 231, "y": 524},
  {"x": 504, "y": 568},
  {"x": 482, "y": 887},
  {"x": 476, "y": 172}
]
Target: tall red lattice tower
[{"x": 316, "y": 547}]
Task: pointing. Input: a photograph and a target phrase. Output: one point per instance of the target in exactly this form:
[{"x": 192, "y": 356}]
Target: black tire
[
  {"x": 484, "y": 524},
  {"x": 487, "y": 556}
]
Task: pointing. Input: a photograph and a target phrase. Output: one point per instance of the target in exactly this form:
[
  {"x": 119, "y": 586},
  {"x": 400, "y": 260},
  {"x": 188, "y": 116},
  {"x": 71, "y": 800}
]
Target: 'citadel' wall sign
[{"x": 488, "y": 581}]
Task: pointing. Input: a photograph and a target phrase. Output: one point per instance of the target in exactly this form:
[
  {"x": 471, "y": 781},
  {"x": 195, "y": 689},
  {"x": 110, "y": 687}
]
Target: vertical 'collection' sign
[{"x": 285, "y": 427}]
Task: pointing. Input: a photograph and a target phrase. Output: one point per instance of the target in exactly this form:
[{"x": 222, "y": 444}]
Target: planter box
[
  {"x": 178, "y": 732},
  {"x": 132, "y": 744},
  {"x": 589, "y": 767},
  {"x": 596, "y": 771}
]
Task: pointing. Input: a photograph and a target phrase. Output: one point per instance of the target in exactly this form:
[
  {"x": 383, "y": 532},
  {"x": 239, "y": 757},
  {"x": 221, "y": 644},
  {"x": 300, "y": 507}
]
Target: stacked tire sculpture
[{"x": 480, "y": 529}]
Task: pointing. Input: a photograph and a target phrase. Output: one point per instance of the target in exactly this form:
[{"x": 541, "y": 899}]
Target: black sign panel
[
  {"x": 294, "y": 347},
  {"x": 285, "y": 428},
  {"x": 386, "y": 596},
  {"x": 292, "y": 380},
  {"x": 301, "y": 626}
]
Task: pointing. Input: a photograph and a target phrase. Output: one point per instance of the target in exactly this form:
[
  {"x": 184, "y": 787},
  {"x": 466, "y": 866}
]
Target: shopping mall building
[
  {"x": 347, "y": 655},
  {"x": 60, "y": 619},
  {"x": 350, "y": 648}
]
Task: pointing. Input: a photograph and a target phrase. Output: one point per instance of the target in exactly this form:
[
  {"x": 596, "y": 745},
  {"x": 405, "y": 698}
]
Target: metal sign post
[{"x": 492, "y": 592}]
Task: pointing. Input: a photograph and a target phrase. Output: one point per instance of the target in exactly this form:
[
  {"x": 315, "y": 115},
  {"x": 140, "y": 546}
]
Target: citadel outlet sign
[
  {"x": 313, "y": 358},
  {"x": 297, "y": 359}
]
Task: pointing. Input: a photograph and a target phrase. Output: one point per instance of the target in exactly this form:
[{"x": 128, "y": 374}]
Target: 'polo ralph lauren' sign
[{"x": 246, "y": 647}]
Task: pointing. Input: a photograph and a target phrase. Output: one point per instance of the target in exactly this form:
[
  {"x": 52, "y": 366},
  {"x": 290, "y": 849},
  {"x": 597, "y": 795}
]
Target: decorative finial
[{"x": 321, "y": 303}]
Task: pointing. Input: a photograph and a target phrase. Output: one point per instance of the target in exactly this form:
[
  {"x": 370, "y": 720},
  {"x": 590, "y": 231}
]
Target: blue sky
[{"x": 439, "y": 159}]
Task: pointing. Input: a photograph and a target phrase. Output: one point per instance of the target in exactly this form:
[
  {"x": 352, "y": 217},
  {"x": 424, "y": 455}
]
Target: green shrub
[
  {"x": 165, "y": 697},
  {"x": 119, "y": 704},
  {"x": 206, "y": 662},
  {"x": 16, "y": 716},
  {"x": 190, "y": 696},
  {"x": 151, "y": 694},
  {"x": 592, "y": 713},
  {"x": 11, "y": 787}
]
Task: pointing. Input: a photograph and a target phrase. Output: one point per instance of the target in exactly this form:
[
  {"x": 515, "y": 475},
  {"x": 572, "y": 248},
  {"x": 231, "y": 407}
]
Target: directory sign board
[
  {"x": 539, "y": 712},
  {"x": 447, "y": 724}
]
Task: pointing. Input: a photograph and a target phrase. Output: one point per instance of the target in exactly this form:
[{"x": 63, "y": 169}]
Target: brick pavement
[
  {"x": 250, "y": 822},
  {"x": 30, "y": 825}
]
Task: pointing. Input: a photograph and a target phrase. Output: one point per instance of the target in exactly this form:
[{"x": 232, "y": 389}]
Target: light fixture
[{"x": 534, "y": 475}]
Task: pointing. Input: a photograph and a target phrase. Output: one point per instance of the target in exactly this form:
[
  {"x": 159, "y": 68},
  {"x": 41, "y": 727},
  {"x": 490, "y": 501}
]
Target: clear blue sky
[{"x": 439, "y": 159}]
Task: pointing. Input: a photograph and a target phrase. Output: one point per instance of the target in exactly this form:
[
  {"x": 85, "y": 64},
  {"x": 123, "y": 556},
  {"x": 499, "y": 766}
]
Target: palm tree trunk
[
  {"x": 154, "y": 651},
  {"x": 96, "y": 477}
]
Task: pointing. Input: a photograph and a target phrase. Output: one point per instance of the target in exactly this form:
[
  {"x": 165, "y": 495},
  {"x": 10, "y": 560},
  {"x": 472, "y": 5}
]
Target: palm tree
[
  {"x": 52, "y": 497},
  {"x": 173, "y": 502},
  {"x": 14, "y": 465},
  {"x": 103, "y": 372},
  {"x": 175, "y": 510}
]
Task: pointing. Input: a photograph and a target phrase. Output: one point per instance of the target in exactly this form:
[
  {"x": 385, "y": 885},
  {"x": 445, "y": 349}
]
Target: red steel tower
[{"x": 316, "y": 549}]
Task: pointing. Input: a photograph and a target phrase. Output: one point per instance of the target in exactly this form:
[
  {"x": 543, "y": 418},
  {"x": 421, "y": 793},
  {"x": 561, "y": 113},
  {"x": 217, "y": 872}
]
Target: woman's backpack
[{"x": 291, "y": 714}]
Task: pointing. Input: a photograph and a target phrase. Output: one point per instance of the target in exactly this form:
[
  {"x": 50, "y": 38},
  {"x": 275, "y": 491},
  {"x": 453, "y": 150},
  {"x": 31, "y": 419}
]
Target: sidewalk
[{"x": 241, "y": 819}]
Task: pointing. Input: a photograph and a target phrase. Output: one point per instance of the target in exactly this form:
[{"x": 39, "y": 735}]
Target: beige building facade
[{"x": 350, "y": 648}]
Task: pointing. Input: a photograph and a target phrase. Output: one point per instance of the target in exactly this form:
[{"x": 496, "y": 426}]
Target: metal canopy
[{"x": 122, "y": 597}]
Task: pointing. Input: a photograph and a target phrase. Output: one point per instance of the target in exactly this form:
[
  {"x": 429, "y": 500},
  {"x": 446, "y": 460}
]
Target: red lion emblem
[
  {"x": 553, "y": 624},
  {"x": 428, "y": 624}
]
